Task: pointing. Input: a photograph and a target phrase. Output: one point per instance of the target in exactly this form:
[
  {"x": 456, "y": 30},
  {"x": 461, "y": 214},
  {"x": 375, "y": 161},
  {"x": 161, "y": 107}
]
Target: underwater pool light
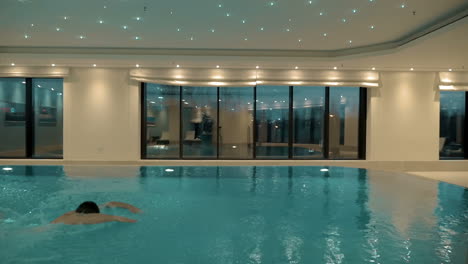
[
  {"x": 169, "y": 170},
  {"x": 7, "y": 169},
  {"x": 324, "y": 169}
]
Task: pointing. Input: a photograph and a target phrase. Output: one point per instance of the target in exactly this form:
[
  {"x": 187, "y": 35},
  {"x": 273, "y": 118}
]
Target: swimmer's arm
[
  {"x": 127, "y": 206},
  {"x": 102, "y": 218},
  {"x": 87, "y": 219}
]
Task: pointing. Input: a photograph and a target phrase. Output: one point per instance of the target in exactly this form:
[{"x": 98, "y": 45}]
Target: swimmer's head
[{"x": 88, "y": 208}]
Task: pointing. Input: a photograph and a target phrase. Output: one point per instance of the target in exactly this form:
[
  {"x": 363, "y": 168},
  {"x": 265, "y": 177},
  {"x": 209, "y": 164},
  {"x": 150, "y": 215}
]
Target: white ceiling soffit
[
  {"x": 315, "y": 28},
  {"x": 57, "y": 72},
  {"x": 453, "y": 81},
  {"x": 237, "y": 78}
]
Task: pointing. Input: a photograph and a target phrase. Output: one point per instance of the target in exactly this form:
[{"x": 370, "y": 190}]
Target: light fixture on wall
[
  {"x": 373, "y": 68},
  {"x": 217, "y": 66},
  {"x": 137, "y": 65},
  {"x": 12, "y": 64},
  {"x": 412, "y": 69},
  {"x": 257, "y": 67},
  {"x": 450, "y": 70},
  {"x": 94, "y": 65},
  {"x": 296, "y": 67},
  {"x": 335, "y": 68},
  {"x": 177, "y": 66},
  {"x": 53, "y": 65}
]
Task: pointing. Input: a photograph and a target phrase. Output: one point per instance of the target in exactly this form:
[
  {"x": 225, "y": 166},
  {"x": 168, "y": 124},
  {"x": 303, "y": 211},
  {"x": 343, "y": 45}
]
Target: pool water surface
[{"x": 232, "y": 215}]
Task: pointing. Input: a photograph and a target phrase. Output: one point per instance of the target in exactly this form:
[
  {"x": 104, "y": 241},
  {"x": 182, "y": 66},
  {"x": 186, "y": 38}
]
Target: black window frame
[
  {"x": 465, "y": 134},
  {"x": 362, "y": 127},
  {"x": 29, "y": 120}
]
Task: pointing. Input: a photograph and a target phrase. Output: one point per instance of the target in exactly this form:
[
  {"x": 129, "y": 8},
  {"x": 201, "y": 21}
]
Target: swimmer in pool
[{"x": 88, "y": 213}]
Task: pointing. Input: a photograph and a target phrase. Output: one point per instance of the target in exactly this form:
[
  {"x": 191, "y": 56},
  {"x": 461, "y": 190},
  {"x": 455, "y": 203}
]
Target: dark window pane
[
  {"x": 344, "y": 122},
  {"x": 48, "y": 118},
  {"x": 12, "y": 117},
  {"x": 162, "y": 121},
  {"x": 235, "y": 122},
  {"x": 199, "y": 114},
  {"x": 272, "y": 122},
  {"x": 308, "y": 107},
  {"x": 452, "y": 120}
]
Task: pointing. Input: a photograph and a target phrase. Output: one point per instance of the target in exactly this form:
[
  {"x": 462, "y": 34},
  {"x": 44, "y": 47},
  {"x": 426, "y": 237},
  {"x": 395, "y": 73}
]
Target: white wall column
[
  {"x": 101, "y": 115},
  {"x": 403, "y": 118}
]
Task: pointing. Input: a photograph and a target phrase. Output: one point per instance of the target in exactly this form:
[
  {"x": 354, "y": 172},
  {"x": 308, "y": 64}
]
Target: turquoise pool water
[{"x": 233, "y": 215}]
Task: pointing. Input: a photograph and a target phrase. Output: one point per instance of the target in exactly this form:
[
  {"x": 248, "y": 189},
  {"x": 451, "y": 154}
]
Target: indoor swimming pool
[{"x": 247, "y": 214}]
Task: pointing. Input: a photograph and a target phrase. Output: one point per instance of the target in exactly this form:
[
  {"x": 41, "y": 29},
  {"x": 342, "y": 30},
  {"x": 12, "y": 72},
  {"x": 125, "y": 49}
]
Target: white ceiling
[
  {"x": 37, "y": 23},
  {"x": 438, "y": 51}
]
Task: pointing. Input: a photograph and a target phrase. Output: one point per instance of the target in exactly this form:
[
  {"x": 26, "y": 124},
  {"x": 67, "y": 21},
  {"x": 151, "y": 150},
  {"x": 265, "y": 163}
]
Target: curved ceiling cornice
[{"x": 460, "y": 15}]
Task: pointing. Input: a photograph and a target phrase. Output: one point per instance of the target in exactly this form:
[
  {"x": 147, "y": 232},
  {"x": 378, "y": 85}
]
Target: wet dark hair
[{"x": 88, "y": 208}]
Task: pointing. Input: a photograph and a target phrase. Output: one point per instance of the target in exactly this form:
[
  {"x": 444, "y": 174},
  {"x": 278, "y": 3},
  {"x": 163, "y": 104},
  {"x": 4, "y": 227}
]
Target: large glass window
[
  {"x": 48, "y": 119},
  {"x": 272, "y": 118},
  {"x": 31, "y": 118},
  {"x": 236, "y": 122},
  {"x": 452, "y": 124},
  {"x": 344, "y": 123},
  {"x": 12, "y": 117},
  {"x": 264, "y": 122},
  {"x": 308, "y": 109},
  {"x": 162, "y": 121},
  {"x": 199, "y": 122}
]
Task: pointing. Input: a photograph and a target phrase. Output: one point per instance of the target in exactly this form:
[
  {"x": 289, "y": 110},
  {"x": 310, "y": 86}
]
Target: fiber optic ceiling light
[{"x": 148, "y": 22}]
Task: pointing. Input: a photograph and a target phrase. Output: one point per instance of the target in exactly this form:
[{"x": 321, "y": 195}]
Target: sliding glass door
[
  {"x": 12, "y": 117},
  {"x": 308, "y": 116},
  {"x": 264, "y": 122},
  {"x": 272, "y": 119},
  {"x": 162, "y": 121},
  {"x": 199, "y": 122},
  {"x": 236, "y": 122}
]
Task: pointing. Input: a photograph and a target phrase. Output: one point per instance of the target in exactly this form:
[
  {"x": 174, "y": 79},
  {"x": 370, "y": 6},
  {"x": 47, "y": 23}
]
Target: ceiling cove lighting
[{"x": 446, "y": 87}]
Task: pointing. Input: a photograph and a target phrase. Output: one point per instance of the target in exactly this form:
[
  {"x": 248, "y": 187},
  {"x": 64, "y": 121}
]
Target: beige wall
[
  {"x": 101, "y": 115},
  {"x": 403, "y": 118}
]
